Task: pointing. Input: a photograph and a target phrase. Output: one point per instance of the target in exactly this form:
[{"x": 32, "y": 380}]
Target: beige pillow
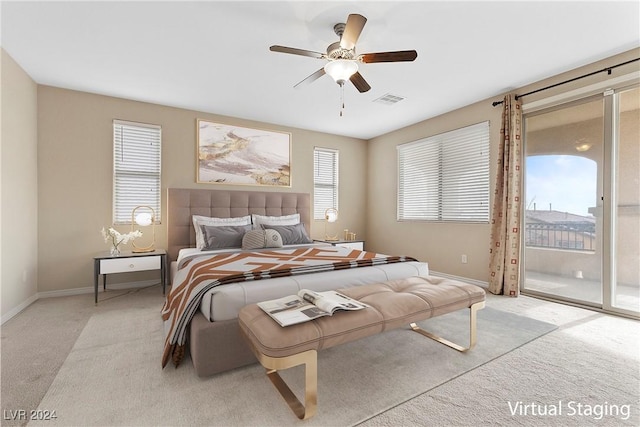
[{"x": 257, "y": 239}]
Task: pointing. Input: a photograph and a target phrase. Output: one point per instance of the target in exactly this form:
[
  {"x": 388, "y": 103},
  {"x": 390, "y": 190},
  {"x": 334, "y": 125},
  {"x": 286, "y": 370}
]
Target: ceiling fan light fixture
[{"x": 341, "y": 70}]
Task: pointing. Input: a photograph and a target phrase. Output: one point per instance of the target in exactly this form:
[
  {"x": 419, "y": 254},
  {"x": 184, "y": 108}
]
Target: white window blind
[
  {"x": 325, "y": 181},
  {"x": 445, "y": 177},
  {"x": 136, "y": 168}
]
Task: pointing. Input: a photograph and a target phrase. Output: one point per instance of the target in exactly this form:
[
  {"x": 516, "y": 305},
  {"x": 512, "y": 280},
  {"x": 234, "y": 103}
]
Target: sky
[{"x": 569, "y": 183}]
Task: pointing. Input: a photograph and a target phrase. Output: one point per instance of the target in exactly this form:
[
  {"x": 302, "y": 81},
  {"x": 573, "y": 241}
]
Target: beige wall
[
  {"x": 75, "y": 175},
  {"x": 442, "y": 244},
  {"x": 19, "y": 188}
]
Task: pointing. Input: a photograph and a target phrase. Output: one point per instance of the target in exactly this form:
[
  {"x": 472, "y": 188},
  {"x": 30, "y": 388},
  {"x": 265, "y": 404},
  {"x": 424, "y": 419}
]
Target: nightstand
[
  {"x": 353, "y": 244},
  {"x": 106, "y": 263}
]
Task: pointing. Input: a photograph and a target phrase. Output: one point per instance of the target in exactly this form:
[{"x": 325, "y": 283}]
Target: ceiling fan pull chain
[{"x": 341, "y": 98}]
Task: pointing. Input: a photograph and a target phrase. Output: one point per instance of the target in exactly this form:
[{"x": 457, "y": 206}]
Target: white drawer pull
[{"x": 131, "y": 265}]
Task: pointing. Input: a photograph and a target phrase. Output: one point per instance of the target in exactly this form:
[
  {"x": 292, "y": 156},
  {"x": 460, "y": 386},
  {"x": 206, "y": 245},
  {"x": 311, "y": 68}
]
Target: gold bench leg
[
  {"x": 472, "y": 330},
  {"x": 310, "y": 360}
]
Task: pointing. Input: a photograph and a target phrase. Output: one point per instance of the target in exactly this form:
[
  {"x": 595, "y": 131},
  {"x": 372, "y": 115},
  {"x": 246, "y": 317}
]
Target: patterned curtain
[{"x": 504, "y": 263}]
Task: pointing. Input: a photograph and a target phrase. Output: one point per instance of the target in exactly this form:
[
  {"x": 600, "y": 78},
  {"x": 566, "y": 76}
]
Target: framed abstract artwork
[{"x": 238, "y": 155}]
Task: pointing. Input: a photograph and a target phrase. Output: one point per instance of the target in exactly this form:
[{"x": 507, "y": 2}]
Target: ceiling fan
[{"x": 342, "y": 57}]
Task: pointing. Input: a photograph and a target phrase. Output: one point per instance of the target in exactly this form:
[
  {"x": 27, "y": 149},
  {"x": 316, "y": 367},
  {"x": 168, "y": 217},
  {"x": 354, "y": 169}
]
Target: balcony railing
[{"x": 574, "y": 236}]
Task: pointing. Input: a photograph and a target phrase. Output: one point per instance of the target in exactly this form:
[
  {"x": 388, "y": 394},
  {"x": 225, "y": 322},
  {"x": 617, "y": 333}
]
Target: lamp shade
[
  {"x": 144, "y": 219},
  {"x": 331, "y": 215},
  {"x": 341, "y": 69}
]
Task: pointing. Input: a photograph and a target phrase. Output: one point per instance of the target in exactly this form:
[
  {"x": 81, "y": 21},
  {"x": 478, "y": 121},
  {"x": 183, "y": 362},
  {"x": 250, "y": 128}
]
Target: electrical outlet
[{"x": 464, "y": 259}]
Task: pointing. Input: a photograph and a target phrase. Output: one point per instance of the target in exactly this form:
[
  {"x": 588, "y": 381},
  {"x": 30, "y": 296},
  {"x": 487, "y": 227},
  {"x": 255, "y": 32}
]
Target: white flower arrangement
[{"x": 116, "y": 239}]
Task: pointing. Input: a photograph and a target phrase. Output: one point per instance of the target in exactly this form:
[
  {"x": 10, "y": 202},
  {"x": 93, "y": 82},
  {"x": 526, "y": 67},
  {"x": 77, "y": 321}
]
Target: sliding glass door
[
  {"x": 564, "y": 164},
  {"x": 625, "y": 274},
  {"x": 582, "y": 217}
]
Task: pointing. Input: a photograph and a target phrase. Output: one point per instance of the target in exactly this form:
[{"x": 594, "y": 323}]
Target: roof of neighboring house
[{"x": 557, "y": 217}]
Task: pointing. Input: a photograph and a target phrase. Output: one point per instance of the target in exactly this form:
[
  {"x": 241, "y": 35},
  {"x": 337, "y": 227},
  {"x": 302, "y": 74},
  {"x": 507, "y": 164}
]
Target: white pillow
[
  {"x": 258, "y": 220},
  {"x": 199, "y": 221}
]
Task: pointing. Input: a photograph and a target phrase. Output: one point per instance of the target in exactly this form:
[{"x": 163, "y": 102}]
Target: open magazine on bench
[{"x": 308, "y": 305}]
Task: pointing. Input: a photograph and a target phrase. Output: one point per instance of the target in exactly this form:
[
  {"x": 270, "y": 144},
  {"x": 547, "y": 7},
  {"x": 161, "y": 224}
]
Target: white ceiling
[{"x": 214, "y": 56}]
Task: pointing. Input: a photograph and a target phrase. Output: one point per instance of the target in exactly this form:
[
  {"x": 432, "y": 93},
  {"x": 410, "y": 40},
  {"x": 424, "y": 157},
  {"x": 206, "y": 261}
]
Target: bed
[{"x": 211, "y": 332}]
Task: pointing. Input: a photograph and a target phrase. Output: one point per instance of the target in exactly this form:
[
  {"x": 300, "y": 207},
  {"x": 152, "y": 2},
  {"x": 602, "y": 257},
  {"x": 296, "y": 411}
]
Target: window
[
  {"x": 325, "y": 181},
  {"x": 136, "y": 168},
  {"x": 445, "y": 177}
]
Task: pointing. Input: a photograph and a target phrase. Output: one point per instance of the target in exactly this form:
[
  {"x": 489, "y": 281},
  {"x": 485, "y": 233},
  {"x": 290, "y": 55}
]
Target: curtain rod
[{"x": 608, "y": 70}]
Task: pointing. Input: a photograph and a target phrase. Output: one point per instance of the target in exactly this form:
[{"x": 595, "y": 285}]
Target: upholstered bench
[{"x": 392, "y": 305}]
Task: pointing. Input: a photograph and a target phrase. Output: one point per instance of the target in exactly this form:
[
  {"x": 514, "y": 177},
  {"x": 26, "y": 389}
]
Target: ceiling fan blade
[
  {"x": 312, "y": 78},
  {"x": 401, "y": 55},
  {"x": 359, "y": 82},
  {"x": 294, "y": 51},
  {"x": 353, "y": 28}
]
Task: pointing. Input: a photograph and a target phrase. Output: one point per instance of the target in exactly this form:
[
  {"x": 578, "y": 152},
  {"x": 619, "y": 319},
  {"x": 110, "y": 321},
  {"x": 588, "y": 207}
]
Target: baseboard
[
  {"x": 90, "y": 289},
  {"x": 460, "y": 279},
  {"x": 16, "y": 310},
  {"x": 75, "y": 291}
]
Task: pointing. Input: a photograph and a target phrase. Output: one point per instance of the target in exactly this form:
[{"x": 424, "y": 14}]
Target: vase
[{"x": 115, "y": 251}]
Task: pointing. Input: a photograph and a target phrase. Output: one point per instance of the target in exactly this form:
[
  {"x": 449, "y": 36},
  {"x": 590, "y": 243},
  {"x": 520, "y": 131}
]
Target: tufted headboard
[{"x": 182, "y": 203}]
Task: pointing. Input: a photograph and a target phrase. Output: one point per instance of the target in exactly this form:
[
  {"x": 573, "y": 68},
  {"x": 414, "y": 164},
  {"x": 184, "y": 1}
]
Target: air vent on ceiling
[{"x": 389, "y": 99}]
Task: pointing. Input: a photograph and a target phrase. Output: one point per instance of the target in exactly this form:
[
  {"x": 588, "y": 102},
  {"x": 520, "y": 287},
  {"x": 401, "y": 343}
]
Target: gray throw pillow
[
  {"x": 257, "y": 239},
  {"x": 291, "y": 234},
  {"x": 216, "y": 237}
]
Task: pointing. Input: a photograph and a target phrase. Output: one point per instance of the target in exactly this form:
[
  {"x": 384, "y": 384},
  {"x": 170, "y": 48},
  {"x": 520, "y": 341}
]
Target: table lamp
[
  {"x": 330, "y": 216},
  {"x": 145, "y": 218}
]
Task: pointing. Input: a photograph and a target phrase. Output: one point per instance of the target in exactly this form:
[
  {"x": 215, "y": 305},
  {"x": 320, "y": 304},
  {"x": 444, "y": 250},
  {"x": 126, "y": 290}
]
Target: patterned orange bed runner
[{"x": 204, "y": 272}]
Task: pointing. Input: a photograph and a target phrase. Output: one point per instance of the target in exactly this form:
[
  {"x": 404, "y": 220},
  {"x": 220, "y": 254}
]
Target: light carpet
[
  {"x": 112, "y": 376},
  {"x": 586, "y": 373}
]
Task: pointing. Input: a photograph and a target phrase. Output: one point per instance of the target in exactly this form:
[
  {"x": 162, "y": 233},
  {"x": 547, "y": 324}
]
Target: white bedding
[{"x": 225, "y": 301}]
